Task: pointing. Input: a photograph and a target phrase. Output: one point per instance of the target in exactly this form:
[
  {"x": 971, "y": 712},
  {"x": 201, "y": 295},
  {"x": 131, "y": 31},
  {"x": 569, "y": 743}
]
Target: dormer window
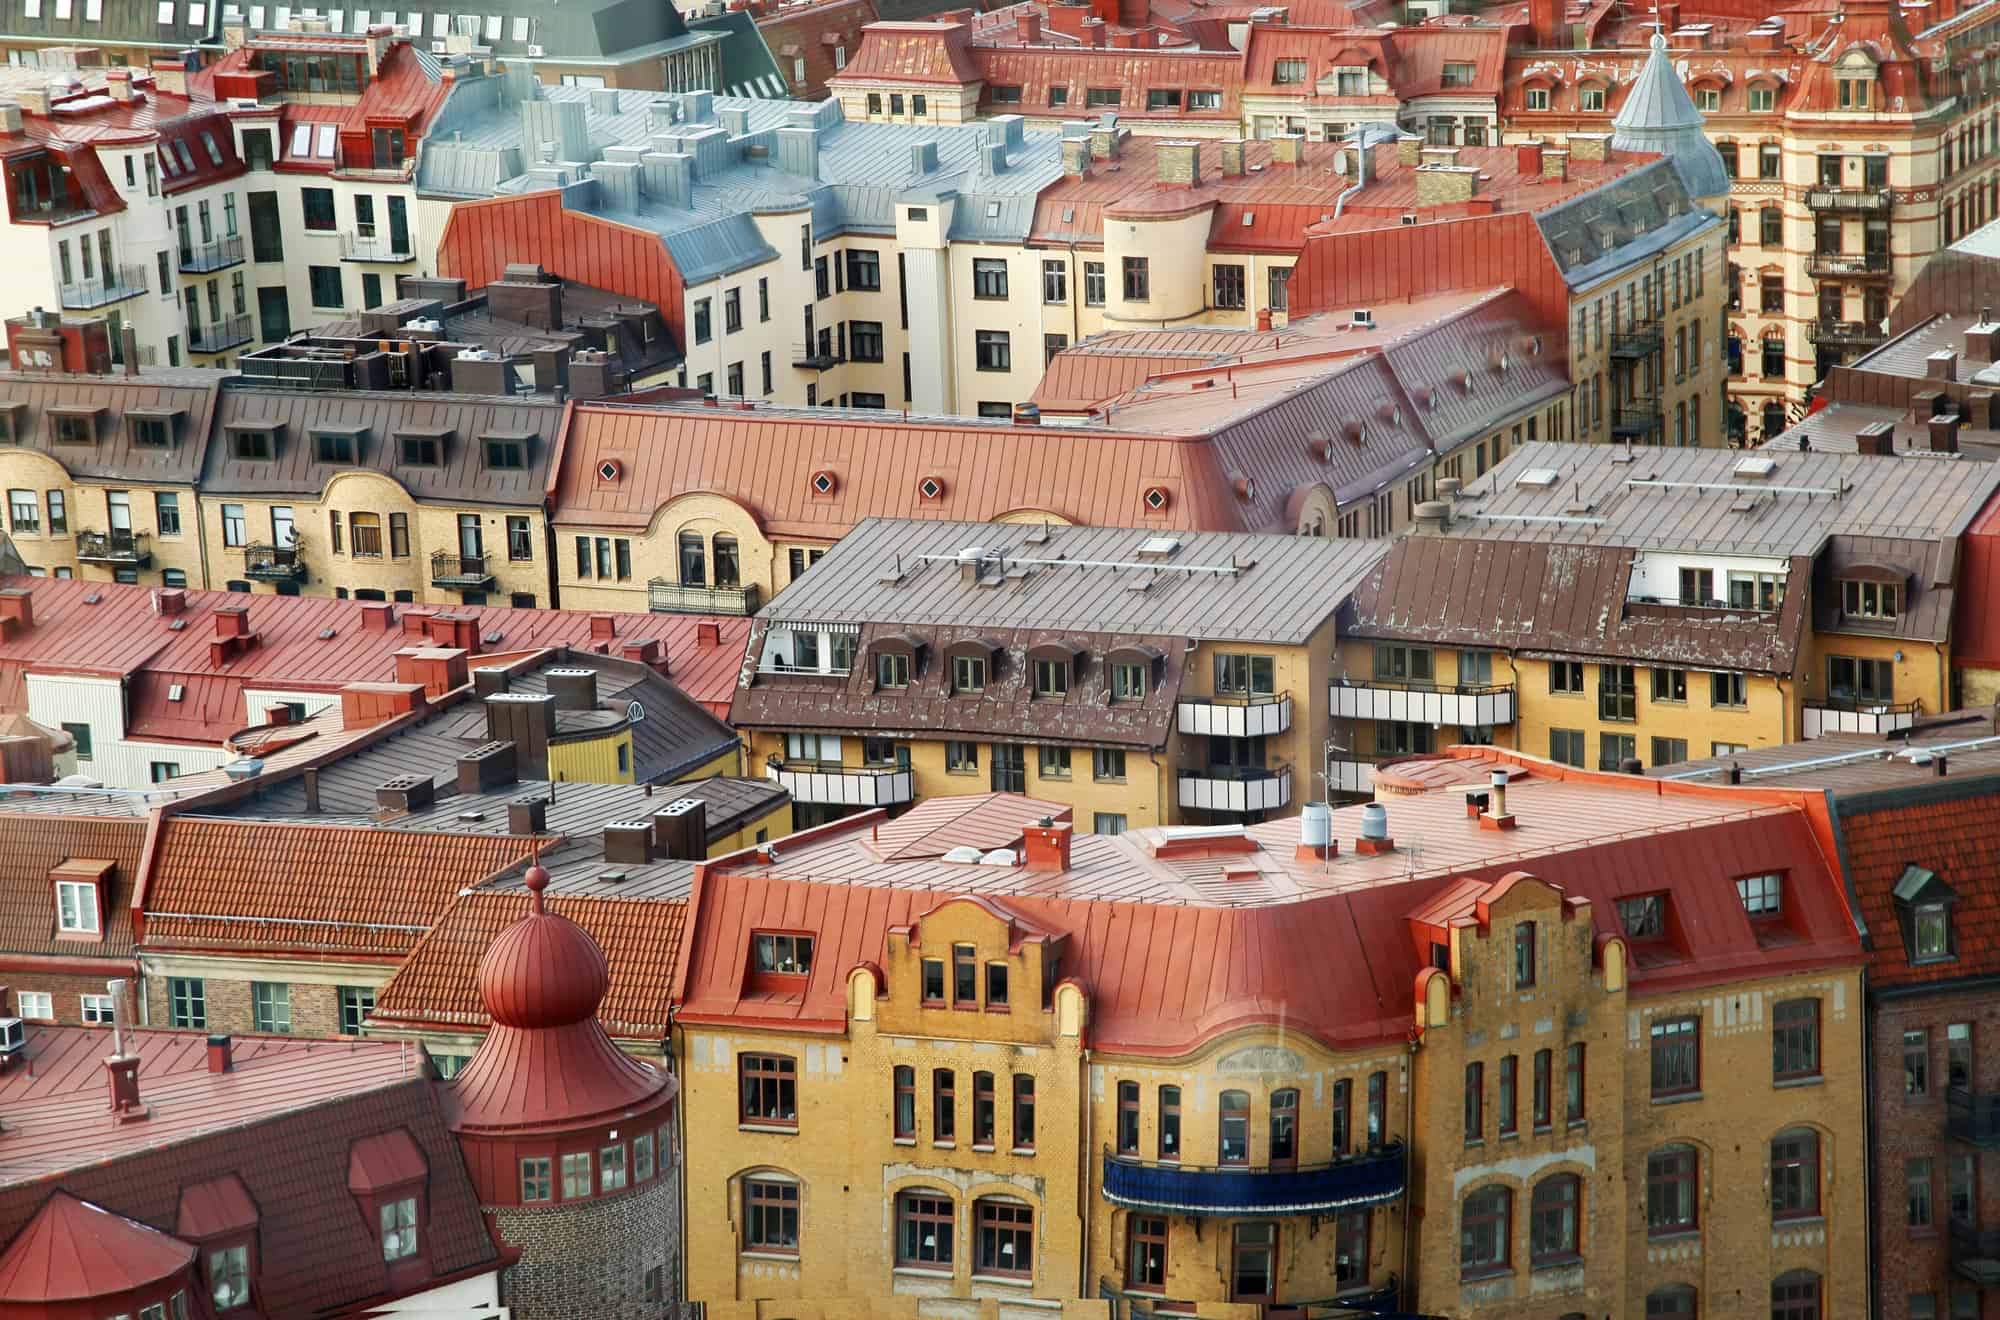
[
  {"x": 229, "y": 1277},
  {"x": 892, "y": 670},
  {"x": 74, "y": 426},
  {"x": 1644, "y": 917},
  {"x": 76, "y": 907},
  {"x": 1869, "y": 600},
  {"x": 336, "y": 446},
  {"x": 1128, "y": 682},
  {"x": 1052, "y": 678},
  {"x": 1923, "y": 907},
  {"x": 968, "y": 673},
  {"x": 782, "y": 955},
  {"x": 151, "y": 430},
  {"x": 421, "y": 448},
  {"x": 254, "y": 444},
  {"x": 1762, "y": 895},
  {"x": 1538, "y": 98},
  {"x": 506, "y": 453},
  {"x": 1855, "y": 93},
  {"x": 399, "y": 1229}
]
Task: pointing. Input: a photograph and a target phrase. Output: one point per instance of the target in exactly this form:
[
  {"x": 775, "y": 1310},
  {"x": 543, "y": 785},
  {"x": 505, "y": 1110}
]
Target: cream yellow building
[{"x": 1136, "y": 678}]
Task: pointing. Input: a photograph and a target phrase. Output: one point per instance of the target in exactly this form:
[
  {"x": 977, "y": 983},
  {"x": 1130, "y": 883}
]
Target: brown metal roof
[{"x": 187, "y": 395}]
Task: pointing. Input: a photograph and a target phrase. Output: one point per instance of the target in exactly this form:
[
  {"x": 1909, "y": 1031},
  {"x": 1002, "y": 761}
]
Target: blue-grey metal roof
[
  {"x": 1607, "y": 229},
  {"x": 1659, "y": 115}
]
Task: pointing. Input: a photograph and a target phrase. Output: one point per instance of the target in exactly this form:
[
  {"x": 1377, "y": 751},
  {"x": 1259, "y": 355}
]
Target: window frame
[
  {"x": 764, "y": 1200},
  {"x": 1665, "y": 1046},
  {"x": 1566, "y": 1199},
  {"x": 778, "y": 1073},
  {"x": 1673, "y": 1170},
  {"x": 1795, "y": 1043},
  {"x": 1488, "y": 1210}
]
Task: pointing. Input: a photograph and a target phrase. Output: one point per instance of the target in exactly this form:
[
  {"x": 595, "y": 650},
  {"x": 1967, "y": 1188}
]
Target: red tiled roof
[
  {"x": 235, "y": 885},
  {"x": 72, "y": 1251},
  {"x": 123, "y": 635},
  {"x": 438, "y": 984},
  {"x": 283, "y": 1120},
  {"x": 31, "y": 845},
  {"x": 1950, "y": 828}
]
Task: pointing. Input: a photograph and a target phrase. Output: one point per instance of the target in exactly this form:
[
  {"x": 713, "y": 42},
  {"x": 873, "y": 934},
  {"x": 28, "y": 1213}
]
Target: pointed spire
[{"x": 1659, "y": 116}]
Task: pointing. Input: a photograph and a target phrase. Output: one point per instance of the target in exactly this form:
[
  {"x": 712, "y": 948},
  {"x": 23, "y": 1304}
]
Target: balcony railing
[
  {"x": 1352, "y": 776},
  {"x": 845, "y": 786},
  {"x": 460, "y": 572},
  {"x": 273, "y": 563},
  {"x": 1641, "y": 340},
  {"x": 1857, "y": 715},
  {"x": 1128, "y": 1304},
  {"x": 814, "y": 358},
  {"x": 363, "y": 246},
  {"x": 1248, "y": 1189},
  {"x": 664, "y": 597},
  {"x": 1869, "y": 200},
  {"x": 1473, "y": 706},
  {"x": 217, "y": 336},
  {"x": 1236, "y": 788},
  {"x": 124, "y": 548},
  {"x": 113, "y": 286},
  {"x": 1637, "y": 417},
  {"x": 217, "y": 254},
  {"x": 1839, "y": 265},
  {"x": 1844, "y": 334},
  {"x": 1236, "y": 717},
  {"x": 1975, "y": 1253}
]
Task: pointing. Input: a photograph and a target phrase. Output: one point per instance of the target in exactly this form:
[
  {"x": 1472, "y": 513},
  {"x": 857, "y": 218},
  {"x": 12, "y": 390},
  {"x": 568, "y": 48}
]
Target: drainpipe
[
  {"x": 1409, "y": 1132},
  {"x": 1083, "y": 1180}
]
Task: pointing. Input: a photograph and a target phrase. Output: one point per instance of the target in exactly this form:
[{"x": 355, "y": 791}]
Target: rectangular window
[
  {"x": 944, "y": 1105},
  {"x": 24, "y": 511},
  {"x": 1138, "y": 278},
  {"x": 356, "y": 1003},
  {"x": 782, "y": 955},
  {"x": 1795, "y": 1040},
  {"x": 1093, "y": 284},
  {"x": 993, "y": 350},
  {"x": 1146, "y": 1253},
  {"x": 576, "y": 1176},
  {"x": 1509, "y": 1087},
  {"x": 1475, "y": 1102},
  {"x": 770, "y": 1216},
  {"x": 1024, "y": 1113},
  {"x": 932, "y": 970},
  {"x": 611, "y": 1169},
  {"x": 1055, "y": 282},
  {"x": 537, "y": 1179},
  {"x": 903, "y": 1104},
  {"x": 188, "y": 1001},
  {"x": 1524, "y": 955},
  {"x": 1107, "y": 764},
  {"x": 1566, "y": 746},
  {"x": 1005, "y": 1238},
  {"x": 769, "y": 1091},
  {"x": 1566, "y": 676},
  {"x": 325, "y": 284},
  {"x": 642, "y": 1157},
  {"x": 1727, "y": 689},
  {"x": 1128, "y": 1118},
  {"x": 270, "y": 1007},
  {"x": 1540, "y": 1111},
  {"x": 1676, "y": 1062},
  {"x": 59, "y": 514},
  {"x": 989, "y": 278},
  {"x": 1958, "y": 1054},
  {"x": 318, "y": 205},
  {"x": 1229, "y": 286},
  {"x": 1917, "y": 1193},
  {"x": 982, "y": 1110},
  {"x": 925, "y": 1224},
  {"x": 1916, "y": 1062},
  {"x": 964, "y": 976},
  {"x": 1643, "y": 917},
  {"x": 1573, "y": 1083},
  {"x": 1617, "y": 693}
]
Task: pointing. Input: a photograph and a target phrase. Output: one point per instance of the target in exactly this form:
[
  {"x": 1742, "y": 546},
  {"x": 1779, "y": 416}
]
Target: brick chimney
[
  {"x": 221, "y": 1054},
  {"x": 1028, "y": 27},
  {"x": 1232, "y": 157},
  {"x": 1545, "y": 21},
  {"x": 1555, "y": 164},
  {"x": 1944, "y": 433},
  {"x": 1045, "y": 846},
  {"x": 1942, "y": 365},
  {"x": 1528, "y": 158},
  {"x": 1446, "y": 185},
  {"x": 1878, "y": 438},
  {"x": 1179, "y": 163},
  {"x": 17, "y": 610},
  {"x": 436, "y": 669},
  {"x": 377, "y": 616},
  {"x": 1288, "y": 148},
  {"x": 603, "y": 627},
  {"x": 232, "y": 621}
]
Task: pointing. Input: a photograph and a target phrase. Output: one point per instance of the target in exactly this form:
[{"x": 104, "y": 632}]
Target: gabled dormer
[
  {"x": 971, "y": 967},
  {"x": 1925, "y": 905}
]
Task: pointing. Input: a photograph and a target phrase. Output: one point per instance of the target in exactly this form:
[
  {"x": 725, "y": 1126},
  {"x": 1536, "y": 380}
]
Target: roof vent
[
  {"x": 1159, "y": 547},
  {"x": 1536, "y": 479},
  {"x": 965, "y": 852},
  {"x": 998, "y": 857},
  {"x": 1755, "y": 467}
]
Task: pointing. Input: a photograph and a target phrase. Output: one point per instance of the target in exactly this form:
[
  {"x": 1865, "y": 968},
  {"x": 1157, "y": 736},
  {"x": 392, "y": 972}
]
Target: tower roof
[
  {"x": 73, "y": 1250},
  {"x": 1659, "y": 116},
  {"x": 547, "y": 1064}
]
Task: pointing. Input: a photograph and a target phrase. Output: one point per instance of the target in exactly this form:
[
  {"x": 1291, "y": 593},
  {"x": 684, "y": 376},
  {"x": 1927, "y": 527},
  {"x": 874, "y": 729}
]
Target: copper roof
[
  {"x": 186, "y": 399},
  {"x": 72, "y": 1251}
]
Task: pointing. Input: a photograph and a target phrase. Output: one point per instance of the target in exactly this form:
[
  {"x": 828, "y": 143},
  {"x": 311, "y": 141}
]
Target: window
[
  {"x": 1128, "y": 1118},
  {"x": 1168, "y": 1139},
  {"x": 229, "y": 1276},
  {"x": 421, "y": 450},
  {"x": 1229, "y": 286},
  {"x": 964, "y": 976},
  {"x": 1961, "y": 1188},
  {"x": 1378, "y": 1108},
  {"x": 76, "y": 906},
  {"x": 1485, "y": 1233},
  {"x": 399, "y": 1228},
  {"x": 1107, "y": 764},
  {"x": 1146, "y": 1253},
  {"x": 904, "y": 1108},
  {"x": 1932, "y": 925},
  {"x": 576, "y": 1178},
  {"x": 1869, "y": 600},
  {"x": 1005, "y": 1238},
  {"x": 1102, "y": 97},
  {"x": 982, "y": 1111},
  {"x": 1795, "y": 1040},
  {"x": 520, "y": 545},
  {"x": 1552, "y": 1219},
  {"x": 1235, "y": 1128},
  {"x": 24, "y": 511},
  {"x": 1617, "y": 693},
  {"x": 80, "y": 735},
  {"x": 188, "y": 1003},
  {"x": 1958, "y": 1054},
  {"x": 864, "y": 341},
  {"x": 1566, "y": 676},
  {"x": 1916, "y": 1062},
  {"x": 537, "y": 1179},
  {"x": 1540, "y": 1105},
  {"x": 1538, "y": 98},
  {"x": 1284, "y": 1151},
  {"x": 925, "y": 1222},
  {"x": 505, "y": 455},
  {"x": 1053, "y": 762},
  {"x": 1670, "y": 1191},
  {"x": 892, "y": 670},
  {"x": 1795, "y": 1175},
  {"x": 1093, "y": 284},
  {"x": 318, "y": 204},
  {"x": 1677, "y": 1056},
  {"x": 1408, "y": 663},
  {"x": 642, "y": 1157},
  {"x": 784, "y": 955},
  {"x": 1917, "y": 1193},
  {"x": 1566, "y": 746},
  {"x": 1669, "y": 751},
  {"x": 1107, "y": 822},
  {"x": 993, "y": 350},
  {"x": 1052, "y": 678},
  {"x": 944, "y": 1105},
  {"x": 356, "y": 1003},
  {"x": 961, "y": 758},
  {"x": 1524, "y": 955},
  {"x": 770, "y": 1216},
  {"x": 1475, "y": 1102},
  {"x": 1246, "y": 675},
  {"x": 1762, "y": 895},
  {"x": 1055, "y": 282},
  {"x": 1138, "y": 278},
  {"x": 1849, "y": 678},
  {"x": 270, "y": 1007},
  {"x": 1253, "y": 1263},
  {"x": 399, "y": 533},
  {"x": 324, "y": 282},
  {"x": 98, "y": 1009},
  {"x": 1128, "y": 682},
  {"x": 864, "y": 270},
  {"x": 1024, "y": 1112},
  {"x": 989, "y": 278},
  {"x": 769, "y": 1090}
]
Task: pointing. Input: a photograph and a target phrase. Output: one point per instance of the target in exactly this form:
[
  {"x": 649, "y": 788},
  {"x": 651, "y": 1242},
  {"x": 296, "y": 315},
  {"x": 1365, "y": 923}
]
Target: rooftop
[{"x": 1956, "y": 745}]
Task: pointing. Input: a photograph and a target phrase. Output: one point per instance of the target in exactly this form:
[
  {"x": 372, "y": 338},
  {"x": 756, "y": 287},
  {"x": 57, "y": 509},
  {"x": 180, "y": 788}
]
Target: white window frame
[
  {"x": 35, "y": 1005},
  {"x": 76, "y": 907},
  {"x": 98, "y": 1009},
  {"x": 399, "y": 1225}
]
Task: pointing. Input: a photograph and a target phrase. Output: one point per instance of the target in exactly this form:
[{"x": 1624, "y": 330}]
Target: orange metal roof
[
  {"x": 913, "y": 53},
  {"x": 71, "y": 1252}
]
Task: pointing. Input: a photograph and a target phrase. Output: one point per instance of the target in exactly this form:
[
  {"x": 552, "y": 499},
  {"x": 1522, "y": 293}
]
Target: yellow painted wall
[
  {"x": 602, "y": 759},
  {"x": 85, "y": 506}
]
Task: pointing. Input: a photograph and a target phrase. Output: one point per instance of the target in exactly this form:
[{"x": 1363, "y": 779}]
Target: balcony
[
  {"x": 457, "y": 572},
  {"x": 365, "y": 245},
  {"x": 1848, "y": 265},
  {"x": 220, "y": 336},
  {"x": 206, "y": 258},
  {"x": 273, "y": 563},
  {"x": 808, "y": 358},
  {"x": 1236, "y": 717},
  {"x": 1241, "y": 1189},
  {"x": 1636, "y": 418},
  {"x": 1844, "y": 334},
  {"x": 844, "y": 786},
  {"x": 1975, "y": 1253},
  {"x": 115, "y": 286},
  {"x": 1351, "y": 776},
  {"x": 1238, "y": 789},
  {"x": 124, "y": 549},
  {"x": 1865, "y": 201},
  {"x": 1476, "y": 706},
  {"x": 1972, "y": 1117},
  {"x": 664, "y": 597},
  {"x": 1642, "y": 340},
  {"x": 1850, "y": 715}
]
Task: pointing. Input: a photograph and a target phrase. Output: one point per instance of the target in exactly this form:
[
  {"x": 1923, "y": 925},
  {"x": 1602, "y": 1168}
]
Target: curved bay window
[
  {"x": 925, "y": 1222},
  {"x": 1795, "y": 1174},
  {"x": 1485, "y": 1232},
  {"x": 1235, "y": 1128}
]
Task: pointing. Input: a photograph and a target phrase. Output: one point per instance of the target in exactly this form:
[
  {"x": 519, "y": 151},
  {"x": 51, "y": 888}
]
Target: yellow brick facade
[{"x": 85, "y": 506}]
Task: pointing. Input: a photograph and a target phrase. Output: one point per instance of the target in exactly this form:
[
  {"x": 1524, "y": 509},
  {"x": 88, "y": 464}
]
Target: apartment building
[
  {"x": 155, "y": 684},
  {"x": 1631, "y": 608},
  {"x": 1136, "y": 677},
  {"x": 1540, "y": 1034}
]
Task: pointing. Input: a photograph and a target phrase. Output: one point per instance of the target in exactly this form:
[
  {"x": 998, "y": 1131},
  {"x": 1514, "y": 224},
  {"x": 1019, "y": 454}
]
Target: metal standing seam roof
[
  {"x": 1327, "y": 948},
  {"x": 879, "y": 573},
  {"x": 186, "y": 398},
  {"x": 116, "y": 23},
  {"x": 1659, "y": 115}
]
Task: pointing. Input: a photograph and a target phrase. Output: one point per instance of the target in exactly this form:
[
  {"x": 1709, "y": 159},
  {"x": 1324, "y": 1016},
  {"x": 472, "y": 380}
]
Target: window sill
[
  {"x": 1484, "y": 1272},
  {"x": 1677, "y": 1098},
  {"x": 944, "y": 1145},
  {"x": 998, "y": 1008},
  {"x": 1562, "y": 1262},
  {"x": 753, "y": 1254},
  {"x": 904, "y": 1141},
  {"x": 986, "y": 1149},
  {"x": 1796, "y": 1221},
  {"x": 1475, "y": 1141},
  {"x": 1784, "y": 1083},
  {"x": 1006, "y": 1280},
  {"x": 921, "y": 1272},
  {"x": 1022, "y": 1150},
  {"x": 787, "y": 1129},
  {"x": 1673, "y": 1234},
  {"x": 1510, "y": 1136}
]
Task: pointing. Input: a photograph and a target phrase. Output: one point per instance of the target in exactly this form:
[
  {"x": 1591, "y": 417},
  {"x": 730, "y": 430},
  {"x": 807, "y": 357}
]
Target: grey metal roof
[
  {"x": 746, "y": 157},
  {"x": 186, "y": 397},
  {"x": 1601, "y": 233},
  {"x": 1679, "y": 499},
  {"x": 118, "y": 23},
  {"x": 1222, "y": 586},
  {"x": 1659, "y": 115}
]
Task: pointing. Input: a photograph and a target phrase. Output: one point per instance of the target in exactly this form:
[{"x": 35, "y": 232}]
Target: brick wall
[
  {"x": 67, "y": 990},
  {"x": 592, "y": 1258},
  {"x": 315, "y": 1008}
]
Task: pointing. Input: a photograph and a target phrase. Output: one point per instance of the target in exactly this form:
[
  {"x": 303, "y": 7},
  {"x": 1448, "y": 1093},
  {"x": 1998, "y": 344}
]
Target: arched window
[
  {"x": 1795, "y": 1296},
  {"x": 1235, "y": 1134},
  {"x": 728, "y": 561},
  {"x": 694, "y": 560},
  {"x": 1674, "y": 1302},
  {"x": 1284, "y": 1128},
  {"x": 1795, "y": 1174},
  {"x": 1552, "y": 1219},
  {"x": 1485, "y": 1231},
  {"x": 1671, "y": 1202},
  {"x": 925, "y": 1222}
]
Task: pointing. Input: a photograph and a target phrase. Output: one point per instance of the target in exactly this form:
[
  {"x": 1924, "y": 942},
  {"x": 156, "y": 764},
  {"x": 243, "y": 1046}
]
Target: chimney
[
  {"x": 1409, "y": 149},
  {"x": 123, "y": 1072},
  {"x": 278, "y": 715},
  {"x": 1374, "y": 840},
  {"x": 1264, "y": 320},
  {"x": 1104, "y": 137},
  {"x": 1179, "y": 163},
  {"x": 1944, "y": 433},
  {"x": 1545, "y": 22},
  {"x": 377, "y": 616},
  {"x": 650, "y": 651},
  {"x": 528, "y": 720},
  {"x": 1942, "y": 365},
  {"x": 171, "y": 600},
  {"x": 128, "y": 343},
  {"x": 1447, "y": 185},
  {"x": 1878, "y": 438},
  {"x": 437, "y": 669},
  {"x": 17, "y": 610},
  {"x": 1982, "y": 337},
  {"x": 232, "y": 621},
  {"x": 487, "y": 766},
  {"x": 10, "y": 119},
  {"x": 221, "y": 1057},
  {"x": 707, "y": 636},
  {"x": 1588, "y": 146},
  {"x": 405, "y": 793},
  {"x": 1232, "y": 157},
  {"x": 528, "y": 815},
  {"x": 628, "y": 841},
  {"x": 485, "y": 682},
  {"x": 680, "y": 830},
  {"x": 603, "y": 627},
  {"x": 1028, "y": 27},
  {"x": 170, "y": 77},
  {"x": 118, "y": 85},
  {"x": 1555, "y": 164},
  {"x": 1431, "y": 517},
  {"x": 1076, "y": 157},
  {"x": 1528, "y": 158},
  {"x": 573, "y": 688},
  {"x": 1288, "y": 148},
  {"x": 1045, "y": 846}
]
